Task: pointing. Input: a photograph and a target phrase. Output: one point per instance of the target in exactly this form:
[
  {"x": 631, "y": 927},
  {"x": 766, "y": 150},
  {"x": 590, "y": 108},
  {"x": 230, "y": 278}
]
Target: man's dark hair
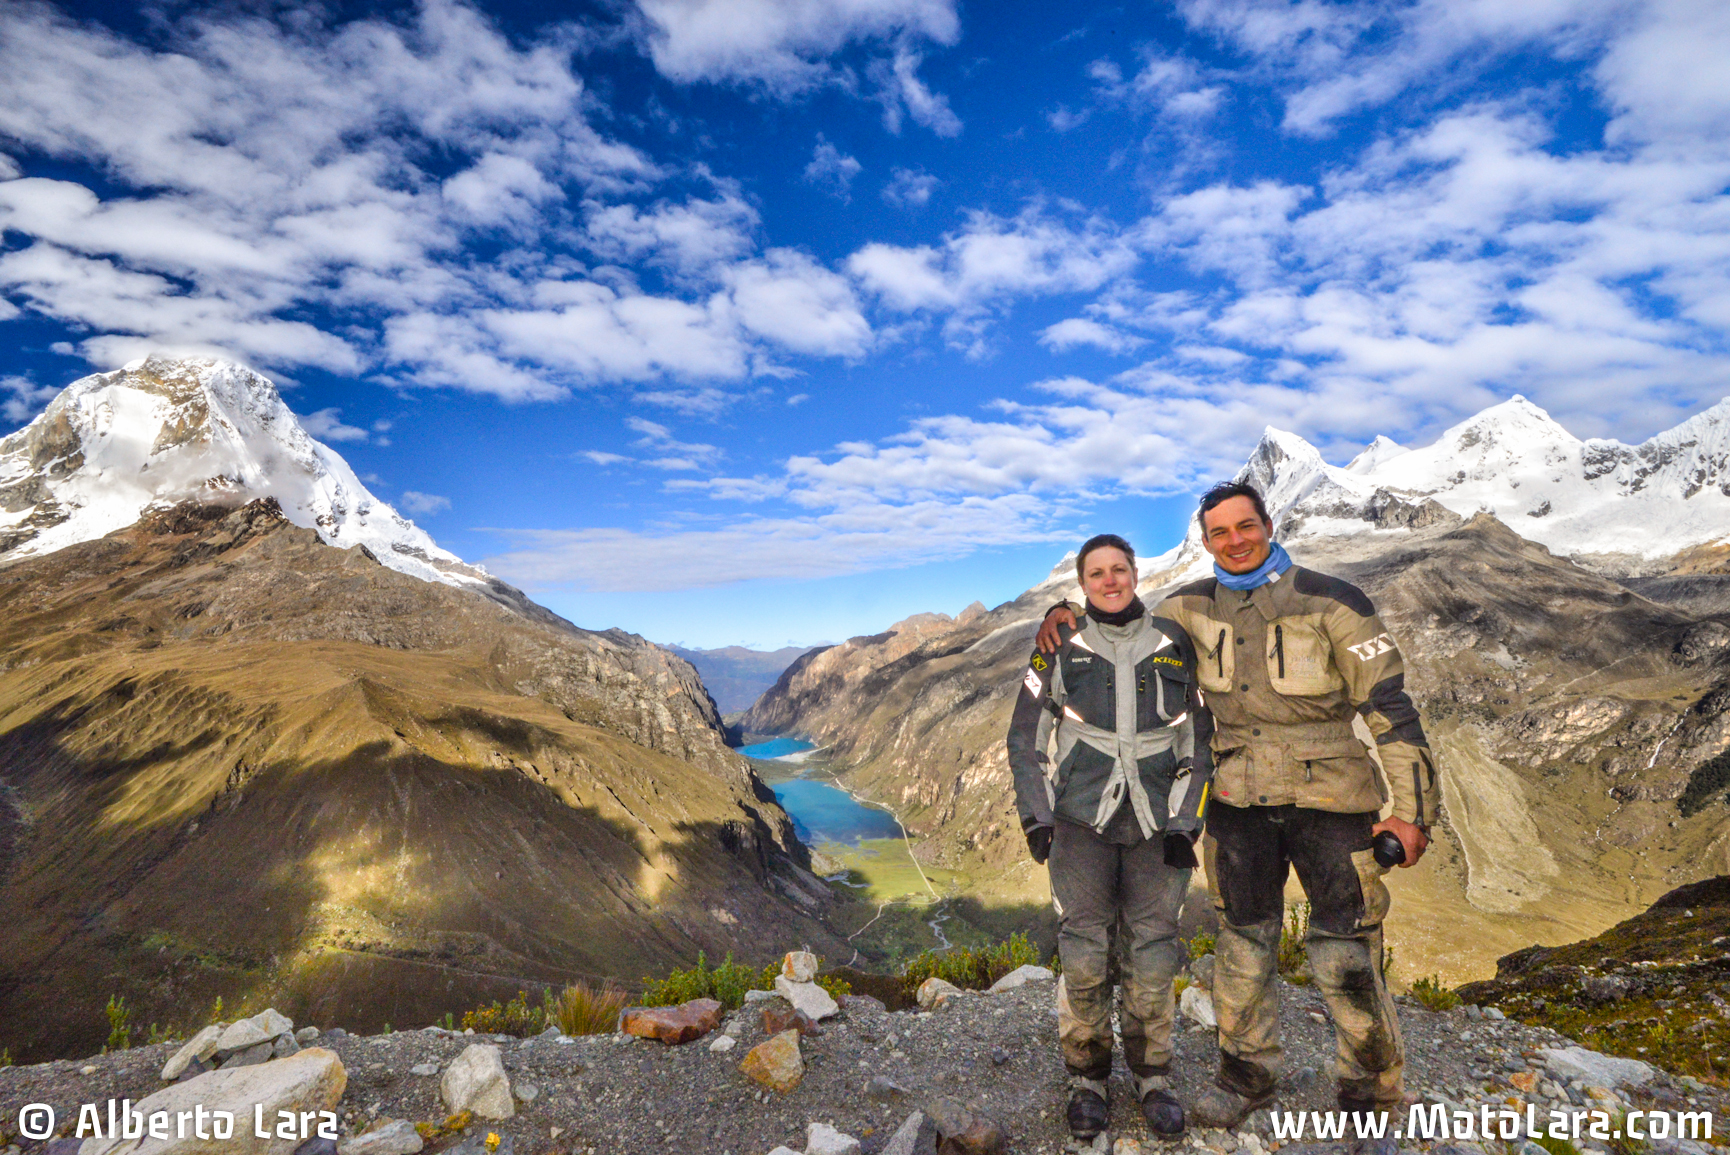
[
  {"x": 1225, "y": 491},
  {"x": 1099, "y": 541}
]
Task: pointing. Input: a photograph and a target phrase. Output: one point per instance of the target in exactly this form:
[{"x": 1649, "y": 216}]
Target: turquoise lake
[{"x": 821, "y": 812}]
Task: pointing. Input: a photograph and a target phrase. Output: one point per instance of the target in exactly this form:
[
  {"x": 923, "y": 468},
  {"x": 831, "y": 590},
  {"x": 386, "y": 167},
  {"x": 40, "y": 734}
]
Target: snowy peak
[
  {"x": 1513, "y": 460},
  {"x": 164, "y": 430}
]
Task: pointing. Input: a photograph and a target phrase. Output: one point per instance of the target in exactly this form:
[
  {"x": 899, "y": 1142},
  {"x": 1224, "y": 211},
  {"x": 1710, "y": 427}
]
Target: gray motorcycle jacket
[{"x": 1124, "y": 711}]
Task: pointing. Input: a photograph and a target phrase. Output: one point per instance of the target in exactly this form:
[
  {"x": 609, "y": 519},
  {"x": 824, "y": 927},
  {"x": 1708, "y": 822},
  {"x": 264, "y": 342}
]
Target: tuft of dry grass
[{"x": 581, "y": 1009}]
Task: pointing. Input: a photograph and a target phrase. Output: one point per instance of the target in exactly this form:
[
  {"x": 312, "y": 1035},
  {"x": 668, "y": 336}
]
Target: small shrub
[
  {"x": 726, "y": 983},
  {"x": 1180, "y": 984},
  {"x": 453, "y": 1125},
  {"x": 160, "y": 1034},
  {"x": 970, "y": 968},
  {"x": 1430, "y": 992},
  {"x": 1706, "y": 785},
  {"x": 513, "y": 1018},
  {"x": 1293, "y": 951},
  {"x": 1202, "y": 943},
  {"x": 215, "y": 1012},
  {"x": 1555, "y": 1146},
  {"x": 836, "y": 986},
  {"x": 582, "y": 1010},
  {"x": 6, "y": 1057},
  {"x": 119, "y": 1024},
  {"x": 450, "y": 1021}
]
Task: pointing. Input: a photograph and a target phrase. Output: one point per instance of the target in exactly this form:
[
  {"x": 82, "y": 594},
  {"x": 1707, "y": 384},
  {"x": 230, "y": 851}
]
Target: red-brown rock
[
  {"x": 673, "y": 1025},
  {"x": 780, "y": 1016}
]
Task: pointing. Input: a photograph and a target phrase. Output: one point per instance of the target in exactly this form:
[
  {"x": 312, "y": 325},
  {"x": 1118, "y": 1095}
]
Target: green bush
[
  {"x": 1706, "y": 784},
  {"x": 1431, "y": 993},
  {"x": 970, "y": 968},
  {"x": 726, "y": 983},
  {"x": 1202, "y": 943},
  {"x": 119, "y": 1024},
  {"x": 516, "y": 1017},
  {"x": 1293, "y": 951}
]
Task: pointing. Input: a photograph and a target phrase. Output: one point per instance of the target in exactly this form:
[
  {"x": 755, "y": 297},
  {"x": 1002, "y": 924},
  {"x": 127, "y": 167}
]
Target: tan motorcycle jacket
[{"x": 1283, "y": 667}]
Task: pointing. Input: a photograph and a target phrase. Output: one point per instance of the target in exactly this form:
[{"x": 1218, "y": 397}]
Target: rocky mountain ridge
[{"x": 240, "y": 762}]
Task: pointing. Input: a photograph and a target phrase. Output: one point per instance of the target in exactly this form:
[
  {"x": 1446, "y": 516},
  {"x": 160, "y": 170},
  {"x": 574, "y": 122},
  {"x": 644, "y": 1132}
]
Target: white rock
[
  {"x": 273, "y": 1023},
  {"x": 1495, "y": 1014},
  {"x": 723, "y": 1044},
  {"x": 201, "y": 1046},
  {"x": 241, "y": 1035},
  {"x": 1126, "y": 1147},
  {"x": 906, "y": 1138},
  {"x": 933, "y": 991},
  {"x": 1197, "y": 1004},
  {"x": 476, "y": 1081},
  {"x": 312, "y": 1080},
  {"x": 1590, "y": 1067},
  {"x": 800, "y": 966},
  {"x": 392, "y": 1137},
  {"x": 424, "y": 1069},
  {"x": 527, "y": 1092},
  {"x": 1020, "y": 976},
  {"x": 784, "y": 1151},
  {"x": 758, "y": 996},
  {"x": 807, "y": 997},
  {"x": 306, "y": 1035},
  {"x": 822, "y": 1139}
]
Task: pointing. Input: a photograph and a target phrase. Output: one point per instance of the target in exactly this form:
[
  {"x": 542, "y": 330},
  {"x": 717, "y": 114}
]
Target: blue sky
[{"x": 774, "y": 321}]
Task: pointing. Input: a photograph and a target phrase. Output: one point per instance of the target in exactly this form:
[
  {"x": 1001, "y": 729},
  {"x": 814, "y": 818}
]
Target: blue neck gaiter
[{"x": 1278, "y": 561}]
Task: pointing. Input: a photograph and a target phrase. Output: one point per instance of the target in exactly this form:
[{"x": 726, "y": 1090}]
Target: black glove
[
  {"x": 1180, "y": 852},
  {"x": 1039, "y": 843}
]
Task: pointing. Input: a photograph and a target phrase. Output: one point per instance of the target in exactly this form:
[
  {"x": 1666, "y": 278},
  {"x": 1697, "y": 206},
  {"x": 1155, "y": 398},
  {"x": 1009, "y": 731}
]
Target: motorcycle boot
[
  {"x": 1242, "y": 1089},
  {"x": 1366, "y": 1126},
  {"x": 1089, "y": 1109},
  {"x": 1164, "y": 1114}
]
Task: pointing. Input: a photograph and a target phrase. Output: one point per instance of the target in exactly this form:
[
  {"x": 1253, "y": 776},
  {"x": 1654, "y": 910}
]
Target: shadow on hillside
[{"x": 380, "y": 886}]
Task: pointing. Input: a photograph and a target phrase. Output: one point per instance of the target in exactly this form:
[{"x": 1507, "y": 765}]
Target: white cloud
[
  {"x": 671, "y": 454},
  {"x": 601, "y": 458},
  {"x": 910, "y": 188},
  {"x": 423, "y": 503},
  {"x": 9, "y": 168},
  {"x": 831, "y": 169},
  {"x": 783, "y": 44},
  {"x": 326, "y": 425},
  {"x": 900, "y": 90},
  {"x": 24, "y": 399},
  {"x": 1075, "y": 331}
]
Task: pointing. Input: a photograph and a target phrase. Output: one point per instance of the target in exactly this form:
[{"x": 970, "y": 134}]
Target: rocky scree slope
[
  {"x": 1568, "y": 709},
  {"x": 239, "y": 762},
  {"x": 866, "y": 1071}
]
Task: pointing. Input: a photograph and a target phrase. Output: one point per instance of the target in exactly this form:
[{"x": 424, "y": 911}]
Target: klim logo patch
[{"x": 1374, "y": 648}]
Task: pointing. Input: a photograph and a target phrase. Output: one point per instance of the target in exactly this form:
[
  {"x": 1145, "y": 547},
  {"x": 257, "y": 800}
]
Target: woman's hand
[{"x": 1048, "y": 639}]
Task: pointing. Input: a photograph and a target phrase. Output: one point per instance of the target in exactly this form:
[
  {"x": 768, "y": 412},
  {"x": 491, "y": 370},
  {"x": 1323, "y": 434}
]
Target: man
[
  {"x": 1286, "y": 656},
  {"x": 1117, "y": 808}
]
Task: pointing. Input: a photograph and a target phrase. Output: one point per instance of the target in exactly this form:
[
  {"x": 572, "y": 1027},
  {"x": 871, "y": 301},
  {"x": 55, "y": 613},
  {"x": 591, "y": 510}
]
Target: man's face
[
  {"x": 1236, "y": 536},
  {"x": 1108, "y": 578}
]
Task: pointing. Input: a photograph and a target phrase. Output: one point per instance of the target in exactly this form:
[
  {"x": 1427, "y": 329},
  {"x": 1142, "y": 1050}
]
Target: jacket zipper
[
  {"x": 1219, "y": 654},
  {"x": 1279, "y": 647}
]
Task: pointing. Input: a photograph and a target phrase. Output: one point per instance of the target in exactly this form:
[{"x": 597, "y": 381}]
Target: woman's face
[{"x": 1108, "y": 578}]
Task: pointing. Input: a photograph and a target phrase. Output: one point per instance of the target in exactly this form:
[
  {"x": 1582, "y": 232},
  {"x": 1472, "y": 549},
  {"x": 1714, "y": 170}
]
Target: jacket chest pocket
[
  {"x": 1215, "y": 666},
  {"x": 1161, "y": 694},
  {"x": 1300, "y": 660}
]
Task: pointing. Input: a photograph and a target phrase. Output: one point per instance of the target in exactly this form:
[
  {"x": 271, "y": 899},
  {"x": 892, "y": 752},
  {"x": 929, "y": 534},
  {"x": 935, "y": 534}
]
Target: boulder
[
  {"x": 822, "y": 1139},
  {"x": 1022, "y": 975},
  {"x": 776, "y": 1063},
  {"x": 917, "y": 1135},
  {"x": 800, "y": 966},
  {"x": 199, "y": 1048},
  {"x": 810, "y": 998},
  {"x": 934, "y": 991},
  {"x": 475, "y": 1081},
  {"x": 966, "y": 1130},
  {"x": 1197, "y": 1004},
  {"x": 1606, "y": 988},
  {"x": 779, "y": 1015},
  {"x": 387, "y": 1137},
  {"x": 672, "y": 1025},
  {"x": 249, "y": 1056},
  {"x": 1201, "y": 970},
  {"x": 284, "y": 1046},
  {"x": 1594, "y": 1069},
  {"x": 239, "y": 1037},
  {"x": 305, "y": 1035},
  {"x": 313, "y": 1080}
]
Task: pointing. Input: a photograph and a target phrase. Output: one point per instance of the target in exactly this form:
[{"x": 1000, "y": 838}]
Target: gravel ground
[{"x": 608, "y": 1094}]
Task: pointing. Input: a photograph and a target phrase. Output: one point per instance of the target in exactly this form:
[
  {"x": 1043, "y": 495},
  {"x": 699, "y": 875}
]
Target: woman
[{"x": 1116, "y": 806}]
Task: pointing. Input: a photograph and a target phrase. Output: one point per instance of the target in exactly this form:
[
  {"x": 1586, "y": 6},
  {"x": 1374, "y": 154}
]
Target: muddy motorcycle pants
[
  {"x": 1096, "y": 884},
  {"x": 1248, "y": 852}
]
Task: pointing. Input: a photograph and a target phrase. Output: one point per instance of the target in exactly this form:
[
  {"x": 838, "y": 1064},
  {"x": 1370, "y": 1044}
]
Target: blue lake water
[
  {"x": 776, "y": 748},
  {"x": 823, "y": 813}
]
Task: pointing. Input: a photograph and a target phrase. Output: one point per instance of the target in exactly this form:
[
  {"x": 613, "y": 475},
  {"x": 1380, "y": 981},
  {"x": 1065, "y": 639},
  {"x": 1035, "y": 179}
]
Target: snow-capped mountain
[
  {"x": 1587, "y": 499},
  {"x": 164, "y": 430}
]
